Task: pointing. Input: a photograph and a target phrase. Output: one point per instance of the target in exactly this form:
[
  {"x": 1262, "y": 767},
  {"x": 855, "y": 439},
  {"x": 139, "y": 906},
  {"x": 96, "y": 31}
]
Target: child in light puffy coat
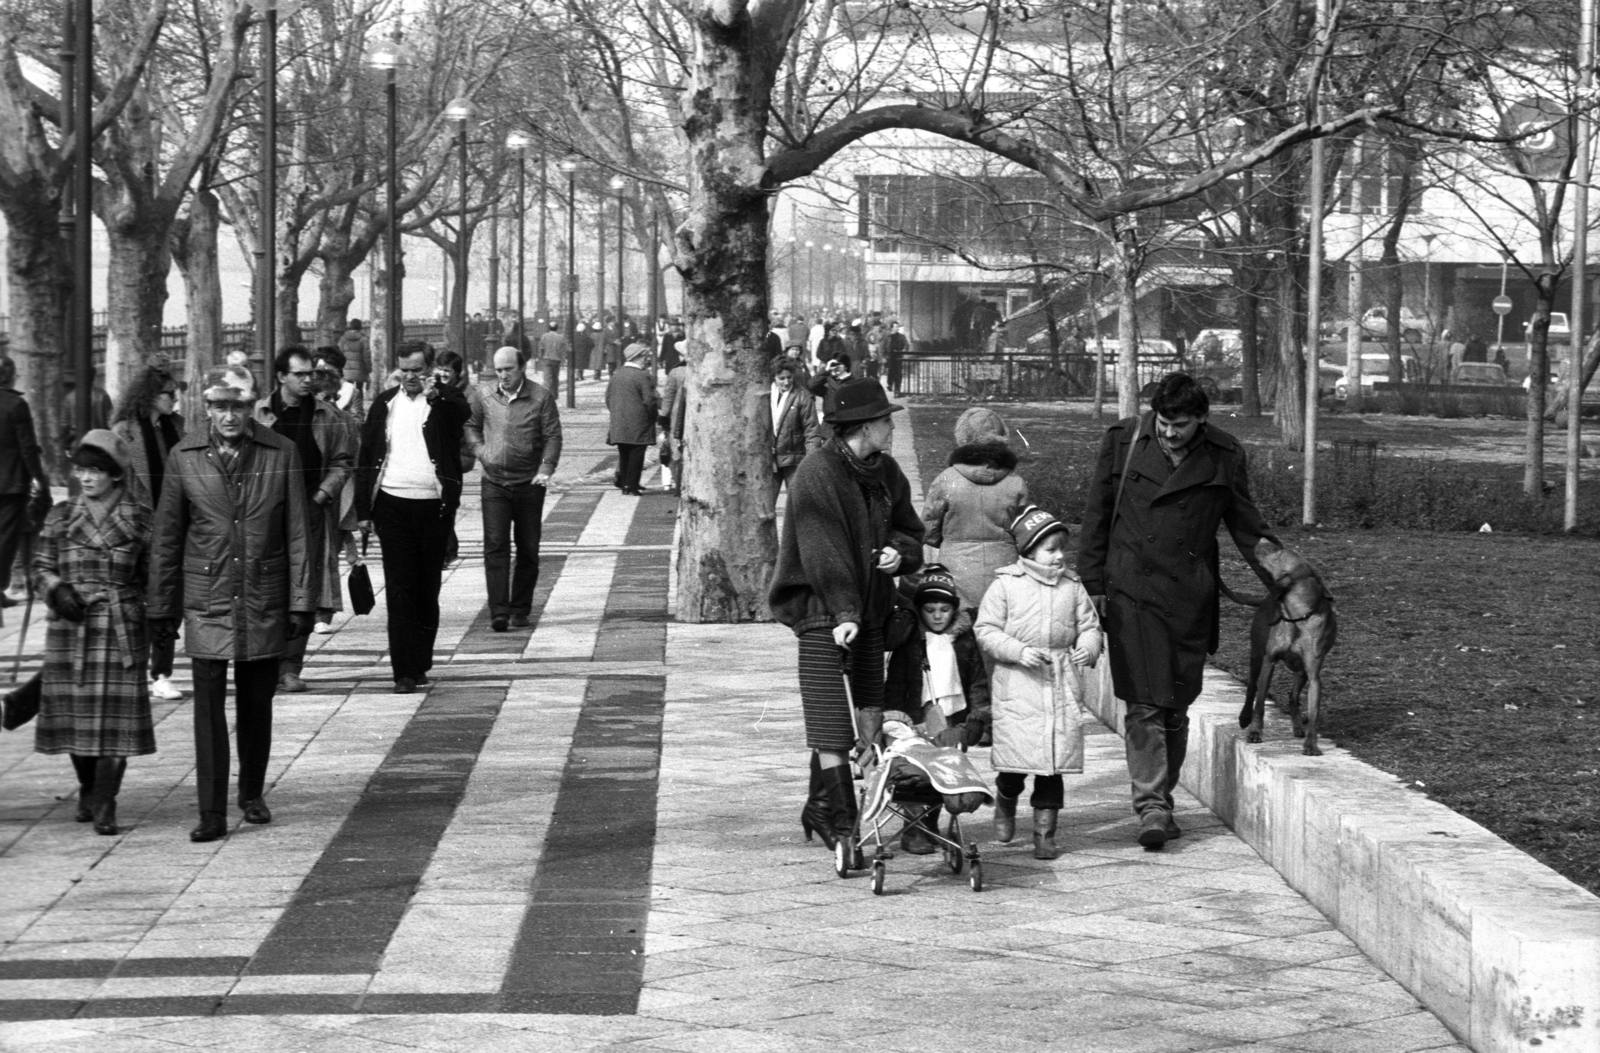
[{"x": 1040, "y": 629}]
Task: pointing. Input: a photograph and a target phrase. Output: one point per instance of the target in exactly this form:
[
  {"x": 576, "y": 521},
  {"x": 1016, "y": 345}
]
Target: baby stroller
[{"x": 904, "y": 780}]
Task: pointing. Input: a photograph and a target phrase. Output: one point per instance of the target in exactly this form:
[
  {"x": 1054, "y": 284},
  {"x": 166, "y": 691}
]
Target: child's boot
[
  {"x": 1044, "y": 833},
  {"x": 1005, "y": 818},
  {"x": 917, "y": 838}
]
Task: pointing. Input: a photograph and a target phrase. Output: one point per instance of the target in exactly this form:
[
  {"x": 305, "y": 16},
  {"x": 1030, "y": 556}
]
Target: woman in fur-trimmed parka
[{"x": 968, "y": 510}]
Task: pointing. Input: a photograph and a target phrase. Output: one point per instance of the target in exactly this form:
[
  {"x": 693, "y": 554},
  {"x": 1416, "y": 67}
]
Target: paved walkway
[{"x": 585, "y": 836}]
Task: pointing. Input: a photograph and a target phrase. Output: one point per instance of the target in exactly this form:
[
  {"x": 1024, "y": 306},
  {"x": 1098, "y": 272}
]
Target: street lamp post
[
  {"x": 387, "y": 57},
  {"x": 811, "y": 273},
  {"x": 460, "y": 112},
  {"x": 794, "y": 268},
  {"x": 544, "y": 215},
  {"x": 520, "y": 141},
  {"x": 620, "y": 185},
  {"x": 267, "y": 247},
  {"x": 569, "y": 280},
  {"x": 827, "y": 276}
]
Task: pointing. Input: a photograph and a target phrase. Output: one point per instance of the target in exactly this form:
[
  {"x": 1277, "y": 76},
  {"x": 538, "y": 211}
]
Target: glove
[
  {"x": 973, "y": 730},
  {"x": 300, "y": 623},
  {"x": 66, "y": 602},
  {"x": 162, "y": 630},
  {"x": 39, "y": 507}
]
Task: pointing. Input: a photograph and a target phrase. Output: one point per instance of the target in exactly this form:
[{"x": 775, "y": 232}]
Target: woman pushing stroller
[{"x": 850, "y": 528}]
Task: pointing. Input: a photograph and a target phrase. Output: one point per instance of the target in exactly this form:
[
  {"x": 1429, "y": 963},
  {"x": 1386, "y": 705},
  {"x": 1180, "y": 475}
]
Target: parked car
[
  {"x": 1560, "y": 328},
  {"x": 1216, "y": 345},
  {"x": 1375, "y": 368},
  {"x": 1479, "y": 374}
]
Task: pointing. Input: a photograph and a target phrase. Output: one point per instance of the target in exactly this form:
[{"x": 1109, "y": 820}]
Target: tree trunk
[
  {"x": 136, "y": 296},
  {"x": 336, "y": 292},
  {"x": 41, "y": 283},
  {"x": 194, "y": 249},
  {"x": 1538, "y": 378},
  {"x": 1353, "y": 365},
  {"x": 1127, "y": 330},
  {"x": 726, "y": 516},
  {"x": 1248, "y": 312},
  {"x": 1289, "y": 404}
]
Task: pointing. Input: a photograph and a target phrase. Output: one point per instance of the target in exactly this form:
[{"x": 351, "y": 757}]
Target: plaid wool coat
[{"x": 94, "y": 699}]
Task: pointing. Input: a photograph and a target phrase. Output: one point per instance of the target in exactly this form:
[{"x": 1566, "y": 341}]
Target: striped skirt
[{"x": 822, "y": 696}]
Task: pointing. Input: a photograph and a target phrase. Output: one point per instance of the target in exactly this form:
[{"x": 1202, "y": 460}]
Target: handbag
[{"x": 362, "y": 598}]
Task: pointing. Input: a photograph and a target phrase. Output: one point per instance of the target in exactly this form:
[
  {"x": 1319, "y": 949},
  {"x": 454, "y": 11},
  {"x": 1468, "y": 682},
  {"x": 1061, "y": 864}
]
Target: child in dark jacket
[{"x": 937, "y": 679}]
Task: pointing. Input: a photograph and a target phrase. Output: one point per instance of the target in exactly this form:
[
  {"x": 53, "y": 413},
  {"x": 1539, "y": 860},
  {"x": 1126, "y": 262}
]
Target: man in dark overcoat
[
  {"x": 230, "y": 555},
  {"x": 631, "y": 401},
  {"x": 1148, "y": 555},
  {"x": 24, "y": 485}
]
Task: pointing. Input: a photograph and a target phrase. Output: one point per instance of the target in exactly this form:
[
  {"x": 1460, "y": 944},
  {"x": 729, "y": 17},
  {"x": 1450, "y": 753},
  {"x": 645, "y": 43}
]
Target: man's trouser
[
  {"x": 1157, "y": 743},
  {"x": 253, "y": 686},
  {"x": 412, "y": 534},
  {"x": 511, "y": 514}
]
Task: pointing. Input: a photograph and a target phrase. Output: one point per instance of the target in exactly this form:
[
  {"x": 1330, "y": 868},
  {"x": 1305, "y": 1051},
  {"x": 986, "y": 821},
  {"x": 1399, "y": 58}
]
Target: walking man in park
[
  {"x": 1148, "y": 556},
  {"x": 327, "y": 459},
  {"x": 24, "y": 486},
  {"x": 408, "y": 479},
  {"x": 553, "y": 350},
  {"x": 230, "y": 554},
  {"x": 515, "y": 431}
]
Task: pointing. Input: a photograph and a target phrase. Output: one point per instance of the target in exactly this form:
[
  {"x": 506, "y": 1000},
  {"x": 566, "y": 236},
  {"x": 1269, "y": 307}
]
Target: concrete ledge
[{"x": 1503, "y": 949}]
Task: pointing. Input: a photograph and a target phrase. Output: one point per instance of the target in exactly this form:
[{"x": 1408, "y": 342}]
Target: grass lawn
[{"x": 1467, "y": 663}]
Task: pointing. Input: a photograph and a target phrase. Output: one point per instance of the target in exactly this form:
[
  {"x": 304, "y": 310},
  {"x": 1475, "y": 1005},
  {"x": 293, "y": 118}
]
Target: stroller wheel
[
  {"x": 953, "y": 859},
  {"x": 844, "y": 854},
  {"x": 878, "y": 873},
  {"x": 975, "y": 876}
]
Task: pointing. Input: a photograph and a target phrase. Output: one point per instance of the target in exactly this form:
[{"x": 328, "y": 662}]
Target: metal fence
[{"x": 1015, "y": 375}]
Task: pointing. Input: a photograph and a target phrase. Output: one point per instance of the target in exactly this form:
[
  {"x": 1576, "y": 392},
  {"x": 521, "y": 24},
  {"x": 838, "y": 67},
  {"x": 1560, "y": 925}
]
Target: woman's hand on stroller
[{"x": 845, "y": 633}]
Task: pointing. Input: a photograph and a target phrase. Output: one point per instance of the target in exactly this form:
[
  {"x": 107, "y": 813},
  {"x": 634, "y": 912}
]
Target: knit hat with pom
[{"x": 1032, "y": 525}]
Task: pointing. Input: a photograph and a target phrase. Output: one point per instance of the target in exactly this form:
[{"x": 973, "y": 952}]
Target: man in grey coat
[
  {"x": 631, "y": 401},
  {"x": 230, "y": 554}
]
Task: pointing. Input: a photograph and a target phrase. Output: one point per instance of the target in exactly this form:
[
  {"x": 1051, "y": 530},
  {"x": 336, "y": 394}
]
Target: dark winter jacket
[
  {"x": 1157, "y": 564},
  {"x": 828, "y": 554},
  {"x": 631, "y": 401},
  {"x": 902, "y": 688},
  {"x": 447, "y": 418},
  {"x": 797, "y": 432},
  {"x": 230, "y": 552}
]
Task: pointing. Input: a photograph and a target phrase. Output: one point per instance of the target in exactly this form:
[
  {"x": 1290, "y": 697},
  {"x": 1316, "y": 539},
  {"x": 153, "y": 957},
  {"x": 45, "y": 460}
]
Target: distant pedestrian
[
  {"x": 970, "y": 506},
  {"x": 1039, "y": 628},
  {"x": 91, "y": 567},
  {"x": 792, "y": 414},
  {"x": 1163, "y": 484},
  {"x": 346, "y": 396},
  {"x": 671, "y": 357},
  {"x": 849, "y": 530},
  {"x": 553, "y": 350},
  {"x": 357, "y": 350},
  {"x": 408, "y": 488},
  {"x": 231, "y": 557},
  {"x": 149, "y": 425},
  {"x": 631, "y": 402},
  {"x": 321, "y": 436},
  {"x": 583, "y": 350},
  {"x": 24, "y": 485},
  {"x": 514, "y": 428}
]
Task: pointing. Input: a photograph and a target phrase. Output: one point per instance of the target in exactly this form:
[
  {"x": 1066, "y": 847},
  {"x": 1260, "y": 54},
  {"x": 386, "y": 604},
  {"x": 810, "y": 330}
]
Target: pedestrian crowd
[{"x": 965, "y": 619}]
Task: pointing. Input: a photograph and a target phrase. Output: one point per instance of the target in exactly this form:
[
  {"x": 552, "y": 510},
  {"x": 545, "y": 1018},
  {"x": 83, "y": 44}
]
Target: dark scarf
[
  {"x": 155, "y": 453},
  {"x": 868, "y": 474}
]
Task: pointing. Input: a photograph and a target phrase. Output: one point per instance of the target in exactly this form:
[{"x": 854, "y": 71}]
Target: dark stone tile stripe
[
  {"x": 582, "y": 940},
  {"x": 345, "y": 912}
]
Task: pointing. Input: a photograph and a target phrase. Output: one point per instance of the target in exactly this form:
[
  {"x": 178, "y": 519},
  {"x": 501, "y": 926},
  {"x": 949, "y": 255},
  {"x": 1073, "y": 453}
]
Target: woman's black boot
[
  {"x": 107, "y": 784},
  {"x": 83, "y": 767},
  {"x": 817, "y": 816},
  {"x": 841, "y": 790}
]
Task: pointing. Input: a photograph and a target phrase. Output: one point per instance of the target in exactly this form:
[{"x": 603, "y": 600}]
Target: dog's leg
[
  {"x": 1296, "y": 693},
  {"x": 1313, "y": 706},
  {"x": 1260, "y": 628},
  {"x": 1262, "y": 687}
]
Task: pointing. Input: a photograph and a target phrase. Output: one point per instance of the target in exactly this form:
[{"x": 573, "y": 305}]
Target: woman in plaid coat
[{"x": 90, "y": 567}]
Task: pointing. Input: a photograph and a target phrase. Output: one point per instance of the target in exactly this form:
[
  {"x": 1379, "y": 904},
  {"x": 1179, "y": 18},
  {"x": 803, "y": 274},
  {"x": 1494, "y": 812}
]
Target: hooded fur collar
[{"x": 985, "y": 454}]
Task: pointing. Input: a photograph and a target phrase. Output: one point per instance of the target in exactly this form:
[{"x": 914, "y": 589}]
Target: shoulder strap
[{"x": 1122, "y": 480}]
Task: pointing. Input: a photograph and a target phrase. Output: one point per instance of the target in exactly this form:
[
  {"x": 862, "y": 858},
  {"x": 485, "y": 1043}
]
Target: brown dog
[{"x": 1294, "y": 625}]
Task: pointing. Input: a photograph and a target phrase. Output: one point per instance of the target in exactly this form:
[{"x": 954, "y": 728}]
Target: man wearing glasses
[
  {"x": 408, "y": 479},
  {"x": 327, "y": 457},
  {"x": 230, "y": 555}
]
